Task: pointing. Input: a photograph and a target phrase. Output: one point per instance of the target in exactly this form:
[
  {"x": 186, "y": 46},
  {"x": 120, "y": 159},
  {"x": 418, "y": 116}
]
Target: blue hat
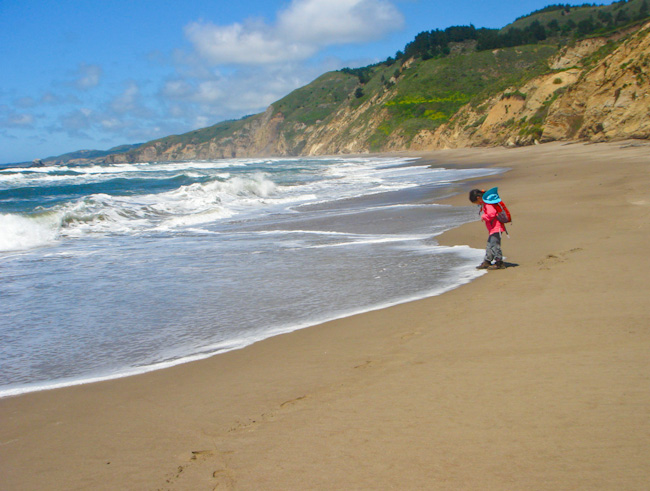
[{"x": 491, "y": 196}]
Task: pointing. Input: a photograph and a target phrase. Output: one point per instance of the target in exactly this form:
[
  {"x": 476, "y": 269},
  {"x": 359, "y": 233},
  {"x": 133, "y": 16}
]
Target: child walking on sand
[{"x": 495, "y": 228}]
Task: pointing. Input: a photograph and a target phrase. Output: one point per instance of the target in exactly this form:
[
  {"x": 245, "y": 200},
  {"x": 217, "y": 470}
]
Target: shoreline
[
  {"x": 232, "y": 345},
  {"x": 546, "y": 389},
  {"x": 237, "y": 342}
]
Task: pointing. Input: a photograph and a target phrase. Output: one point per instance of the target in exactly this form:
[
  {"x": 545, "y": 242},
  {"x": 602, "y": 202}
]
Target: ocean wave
[
  {"x": 101, "y": 213},
  {"x": 164, "y": 196},
  {"x": 12, "y": 179},
  {"x": 21, "y": 232},
  {"x": 18, "y": 184},
  {"x": 123, "y": 168}
]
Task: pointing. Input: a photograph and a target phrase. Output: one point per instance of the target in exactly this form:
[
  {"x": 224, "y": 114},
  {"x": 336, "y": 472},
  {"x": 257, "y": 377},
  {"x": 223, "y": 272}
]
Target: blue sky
[{"x": 93, "y": 74}]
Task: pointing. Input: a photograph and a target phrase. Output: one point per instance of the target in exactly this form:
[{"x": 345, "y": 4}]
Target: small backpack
[{"x": 503, "y": 214}]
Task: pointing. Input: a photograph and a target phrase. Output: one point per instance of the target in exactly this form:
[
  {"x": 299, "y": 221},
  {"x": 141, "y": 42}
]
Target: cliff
[{"x": 596, "y": 89}]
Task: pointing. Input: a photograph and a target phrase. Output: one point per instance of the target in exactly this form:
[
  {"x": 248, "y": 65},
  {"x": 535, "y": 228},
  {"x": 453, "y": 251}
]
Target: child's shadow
[{"x": 510, "y": 265}]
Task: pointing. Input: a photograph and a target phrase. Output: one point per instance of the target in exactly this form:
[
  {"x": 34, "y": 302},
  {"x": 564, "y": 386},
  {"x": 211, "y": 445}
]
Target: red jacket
[{"x": 489, "y": 216}]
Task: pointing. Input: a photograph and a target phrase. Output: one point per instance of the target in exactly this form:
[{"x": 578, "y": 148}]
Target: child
[{"x": 494, "y": 226}]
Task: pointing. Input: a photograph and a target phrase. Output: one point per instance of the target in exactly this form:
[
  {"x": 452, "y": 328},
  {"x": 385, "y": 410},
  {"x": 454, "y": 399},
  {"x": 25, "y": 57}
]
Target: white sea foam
[
  {"x": 104, "y": 214},
  {"x": 364, "y": 240},
  {"x": 462, "y": 275},
  {"x": 18, "y": 232},
  {"x": 224, "y": 196},
  {"x": 302, "y": 232},
  {"x": 63, "y": 175},
  {"x": 126, "y": 299}
]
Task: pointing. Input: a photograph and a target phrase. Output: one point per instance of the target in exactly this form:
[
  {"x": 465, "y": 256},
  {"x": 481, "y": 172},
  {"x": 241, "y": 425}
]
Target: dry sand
[{"x": 534, "y": 377}]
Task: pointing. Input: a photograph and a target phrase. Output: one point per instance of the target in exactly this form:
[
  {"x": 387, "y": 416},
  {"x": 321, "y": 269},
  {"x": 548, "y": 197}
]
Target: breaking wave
[{"x": 105, "y": 214}]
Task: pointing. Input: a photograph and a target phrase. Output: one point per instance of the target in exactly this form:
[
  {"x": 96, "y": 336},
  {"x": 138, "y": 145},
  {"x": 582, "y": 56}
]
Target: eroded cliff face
[
  {"x": 578, "y": 99},
  {"x": 257, "y": 136},
  {"x": 608, "y": 101},
  {"x": 349, "y": 131}
]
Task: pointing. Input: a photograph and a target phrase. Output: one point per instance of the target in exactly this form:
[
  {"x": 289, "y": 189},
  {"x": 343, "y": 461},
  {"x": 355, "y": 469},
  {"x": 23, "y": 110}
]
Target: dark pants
[{"x": 493, "y": 248}]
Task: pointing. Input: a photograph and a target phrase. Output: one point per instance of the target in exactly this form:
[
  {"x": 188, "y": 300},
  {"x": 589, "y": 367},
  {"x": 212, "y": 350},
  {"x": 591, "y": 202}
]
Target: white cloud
[
  {"x": 209, "y": 91},
  {"x": 200, "y": 92},
  {"x": 22, "y": 120},
  {"x": 26, "y": 102},
  {"x": 49, "y": 98},
  {"x": 177, "y": 89},
  {"x": 327, "y": 22},
  {"x": 244, "y": 44},
  {"x": 12, "y": 119},
  {"x": 128, "y": 100},
  {"x": 246, "y": 90},
  {"x": 111, "y": 124},
  {"x": 88, "y": 76},
  {"x": 75, "y": 123},
  {"x": 301, "y": 30},
  {"x": 131, "y": 104}
]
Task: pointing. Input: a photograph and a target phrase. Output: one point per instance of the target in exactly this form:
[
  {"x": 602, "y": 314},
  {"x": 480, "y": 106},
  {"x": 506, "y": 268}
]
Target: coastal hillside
[
  {"x": 562, "y": 73},
  {"x": 596, "y": 90}
]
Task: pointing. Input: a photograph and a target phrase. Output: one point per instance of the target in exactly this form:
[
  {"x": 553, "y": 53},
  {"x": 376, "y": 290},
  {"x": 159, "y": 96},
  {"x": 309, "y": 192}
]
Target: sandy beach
[{"x": 536, "y": 377}]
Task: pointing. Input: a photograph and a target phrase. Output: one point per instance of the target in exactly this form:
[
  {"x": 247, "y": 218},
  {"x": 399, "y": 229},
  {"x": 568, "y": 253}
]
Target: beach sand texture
[{"x": 534, "y": 377}]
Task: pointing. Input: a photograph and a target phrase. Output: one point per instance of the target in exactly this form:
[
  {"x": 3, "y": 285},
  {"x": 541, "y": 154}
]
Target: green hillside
[
  {"x": 318, "y": 100},
  {"x": 417, "y": 95},
  {"x": 584, "y": 19},
  {"x": 431, "y": 91}
]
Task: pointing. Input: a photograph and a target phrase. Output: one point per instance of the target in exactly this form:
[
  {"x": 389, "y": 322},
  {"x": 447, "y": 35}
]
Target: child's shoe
[
  {"x": 497, "y": 265},
  {"x": 484, "y": 265}
]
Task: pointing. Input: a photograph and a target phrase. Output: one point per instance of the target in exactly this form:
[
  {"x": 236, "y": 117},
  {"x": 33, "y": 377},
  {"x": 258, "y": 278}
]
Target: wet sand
[{"x": 532, "y": 377}]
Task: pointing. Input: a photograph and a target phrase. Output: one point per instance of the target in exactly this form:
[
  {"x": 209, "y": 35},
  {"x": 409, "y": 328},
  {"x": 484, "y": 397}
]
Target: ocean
[{"x": 112, "y": 270}]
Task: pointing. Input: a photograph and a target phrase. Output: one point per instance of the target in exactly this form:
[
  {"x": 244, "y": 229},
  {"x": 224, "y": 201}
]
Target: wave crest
[
  {"x": 21, "y": 232},
  {"x": 219, "y": 198}
]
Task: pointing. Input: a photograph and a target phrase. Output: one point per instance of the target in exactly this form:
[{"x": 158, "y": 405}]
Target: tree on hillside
[
  {"x": 606, "y": 18},
  {"x": 586, "y": 26},
  {"x": 458, "y": 34},
  {"x": 568, "y": 27},
  {"x": 436, "y": 43},
  {"x": 553, "y": 26},
  {"x": 536, "y": 31},
  {"x": 488, "y": 39},
  {"x": 622, "y": 17}
]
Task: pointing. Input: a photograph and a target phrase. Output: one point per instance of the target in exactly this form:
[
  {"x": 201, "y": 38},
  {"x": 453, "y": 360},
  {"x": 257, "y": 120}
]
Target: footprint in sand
[
  {"x": 409, "y": 335},
  {"x": 554, "y": 259},
  {"x": 367, "y": 364},
  {"x": 291, "y": 402},
  {"x": 222, "y": 476},
  {"x": 223, "y": 479}
]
